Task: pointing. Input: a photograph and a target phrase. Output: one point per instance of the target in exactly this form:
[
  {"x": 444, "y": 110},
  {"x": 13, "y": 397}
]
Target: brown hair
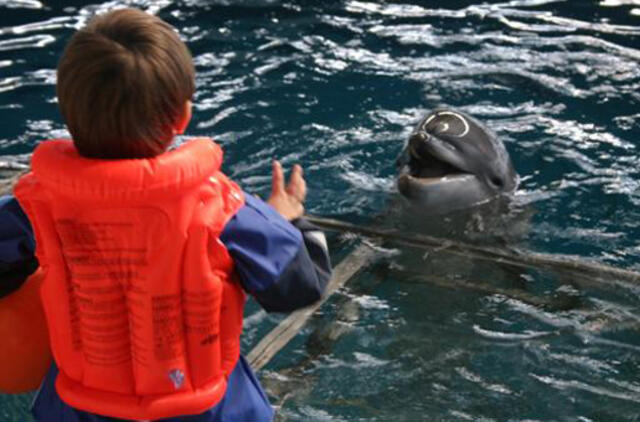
[{"x": 123, "y": 82}]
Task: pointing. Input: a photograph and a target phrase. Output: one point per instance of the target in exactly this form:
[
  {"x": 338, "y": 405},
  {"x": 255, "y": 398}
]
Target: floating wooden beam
[
  {"x": 549, "y": 303},
  {"x": 6, "y": 185},
  {"x": 593, "y": 270},
  {"x": 290, "y": 326}
]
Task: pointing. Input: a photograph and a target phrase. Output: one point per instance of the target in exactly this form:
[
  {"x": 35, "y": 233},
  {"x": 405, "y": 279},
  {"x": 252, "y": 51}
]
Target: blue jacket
[{"x": 283, "y": 266}]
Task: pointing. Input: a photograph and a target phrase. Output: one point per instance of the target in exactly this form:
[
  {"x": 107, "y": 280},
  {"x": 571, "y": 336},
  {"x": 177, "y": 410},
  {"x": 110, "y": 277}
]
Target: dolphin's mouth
[
  {"x": 427, "y": 173},
  {"x": 426, "y": 168}
]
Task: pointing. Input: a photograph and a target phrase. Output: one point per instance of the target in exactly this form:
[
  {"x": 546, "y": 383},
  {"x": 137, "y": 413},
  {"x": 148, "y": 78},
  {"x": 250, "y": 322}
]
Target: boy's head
[{"x": 124, "y": 85}]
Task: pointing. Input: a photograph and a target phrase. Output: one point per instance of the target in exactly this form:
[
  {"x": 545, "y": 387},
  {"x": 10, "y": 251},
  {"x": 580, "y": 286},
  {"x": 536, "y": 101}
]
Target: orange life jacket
[
  {"x": 143, "y": 310},
  {"x": 25, "y": 356}
]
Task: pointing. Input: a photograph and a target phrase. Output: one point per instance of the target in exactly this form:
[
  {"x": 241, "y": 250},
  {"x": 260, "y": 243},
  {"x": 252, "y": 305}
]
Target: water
[{"x": 337, "y": 87}]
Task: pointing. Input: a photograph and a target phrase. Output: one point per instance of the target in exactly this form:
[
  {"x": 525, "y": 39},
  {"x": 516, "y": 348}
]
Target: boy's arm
[
  {"x": 284, "y": 265},
  {"x": 17, "y": 246}
]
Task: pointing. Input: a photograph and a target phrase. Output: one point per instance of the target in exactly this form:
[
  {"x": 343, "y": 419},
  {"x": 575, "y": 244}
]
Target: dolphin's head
[{"x": 452, "y": 161}]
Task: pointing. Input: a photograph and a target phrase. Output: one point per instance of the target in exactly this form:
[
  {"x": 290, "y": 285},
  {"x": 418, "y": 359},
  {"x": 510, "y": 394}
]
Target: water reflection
[{"x": 338, "y": 87}]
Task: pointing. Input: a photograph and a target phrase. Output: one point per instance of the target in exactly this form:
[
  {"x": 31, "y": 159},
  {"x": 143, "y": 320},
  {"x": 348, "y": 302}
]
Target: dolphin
[{"x": 451, "y": 162}]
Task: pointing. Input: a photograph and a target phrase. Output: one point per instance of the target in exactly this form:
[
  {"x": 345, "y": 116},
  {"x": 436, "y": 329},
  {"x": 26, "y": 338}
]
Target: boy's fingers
[
  {"x": 277, "y": 179},
  {"x": 299, "y": 210},
  {"x": 297, "y": 186}
]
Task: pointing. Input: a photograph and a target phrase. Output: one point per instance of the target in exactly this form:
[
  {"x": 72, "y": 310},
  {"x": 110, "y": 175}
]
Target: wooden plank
[
  {"x": 6, "y": 184},
  {"x": 585, "y": 268},
  {"x": 277, "y": 338}
]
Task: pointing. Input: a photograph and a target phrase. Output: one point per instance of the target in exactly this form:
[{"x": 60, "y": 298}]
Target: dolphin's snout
[
  {"x": 418, "y": 145},
  {"x": 418, "y": 139}
]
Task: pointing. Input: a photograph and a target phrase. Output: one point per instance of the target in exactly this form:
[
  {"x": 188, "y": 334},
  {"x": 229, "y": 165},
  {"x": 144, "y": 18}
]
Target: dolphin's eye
[{"x": 496, "y": 182}]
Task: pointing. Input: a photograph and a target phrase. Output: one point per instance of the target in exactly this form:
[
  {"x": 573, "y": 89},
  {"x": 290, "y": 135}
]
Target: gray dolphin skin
[{"x": 451, "y": 162}]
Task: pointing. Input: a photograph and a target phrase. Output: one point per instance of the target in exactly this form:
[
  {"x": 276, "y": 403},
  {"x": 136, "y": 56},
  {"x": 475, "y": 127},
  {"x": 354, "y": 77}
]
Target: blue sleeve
[
  {"x": 284, "y": 267},
  {"x": 17, "y": 246}
]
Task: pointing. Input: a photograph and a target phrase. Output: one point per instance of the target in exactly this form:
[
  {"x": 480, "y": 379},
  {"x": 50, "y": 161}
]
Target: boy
[{"x": 147, "y": 252}]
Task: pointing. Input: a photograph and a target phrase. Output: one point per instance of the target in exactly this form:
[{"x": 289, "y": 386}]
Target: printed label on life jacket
[
  {"x": 108, "y": 254},
  {"x": 167, "y": 327}
]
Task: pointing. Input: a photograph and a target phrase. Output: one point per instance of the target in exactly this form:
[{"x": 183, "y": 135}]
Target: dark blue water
[{"x": 337, "y": 87}]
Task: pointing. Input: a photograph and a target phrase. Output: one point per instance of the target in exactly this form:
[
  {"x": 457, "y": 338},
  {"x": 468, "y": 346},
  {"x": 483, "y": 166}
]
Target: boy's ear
[{"x": 183, "y": 121}]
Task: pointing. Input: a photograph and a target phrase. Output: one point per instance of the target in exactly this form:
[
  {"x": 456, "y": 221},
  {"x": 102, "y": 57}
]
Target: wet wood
[
  {"x": 584, "y": 268},
  {"x": 275, "y": 340},
  {"x": 549, "y": 303},
  {"x": 7, "y": 183}
]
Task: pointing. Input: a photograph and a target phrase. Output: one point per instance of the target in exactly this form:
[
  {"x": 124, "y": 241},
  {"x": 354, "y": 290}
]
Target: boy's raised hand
[{"x": 289, "y": 200}]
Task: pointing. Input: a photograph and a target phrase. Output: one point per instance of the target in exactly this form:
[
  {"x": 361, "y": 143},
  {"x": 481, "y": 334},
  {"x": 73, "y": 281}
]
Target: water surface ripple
[{"x": 337, "y": 87}]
